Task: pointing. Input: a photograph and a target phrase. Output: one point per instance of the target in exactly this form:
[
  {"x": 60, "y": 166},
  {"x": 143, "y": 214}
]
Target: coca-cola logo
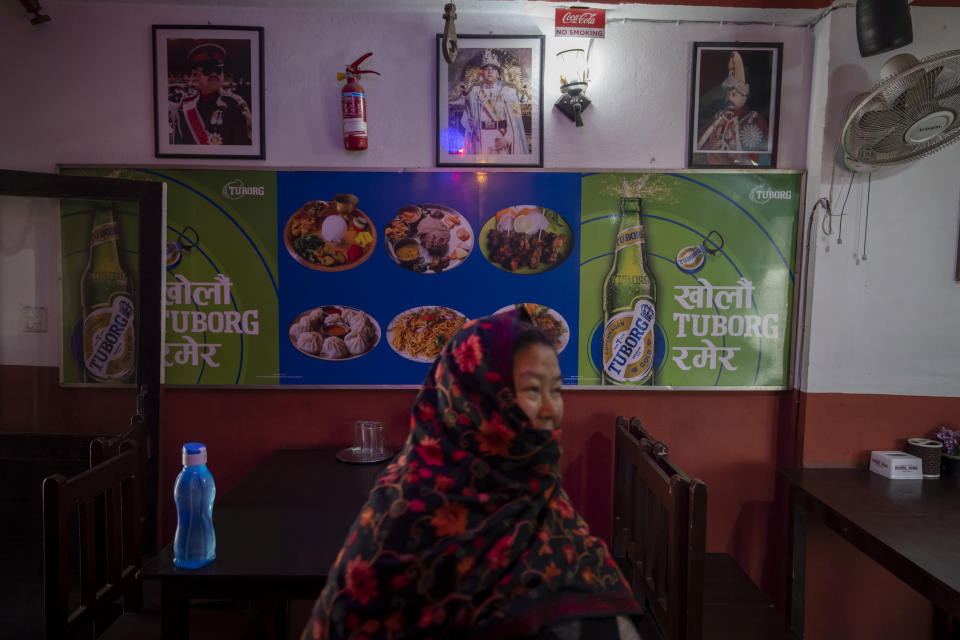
[
  {"x": 588, "y": 23},
  {"x": 580, "y": 18}
]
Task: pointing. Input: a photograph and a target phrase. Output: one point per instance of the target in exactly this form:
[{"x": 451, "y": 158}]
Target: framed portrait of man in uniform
[
  {"x": 208, "y": 92},
  {"x": 489, "y": 102},
  {"x": 735, "y": 105}
]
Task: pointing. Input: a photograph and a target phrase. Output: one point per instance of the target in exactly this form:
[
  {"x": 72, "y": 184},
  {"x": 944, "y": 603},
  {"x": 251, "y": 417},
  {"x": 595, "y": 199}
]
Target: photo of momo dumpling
[
  {"x": 334, "y": 332},
  {"x": 310, "y": 341},
  {"x": 300, "y": 327},
  {"x": 357, "y": 342},
  {"x": 356, "y": 319},
  {"x": 335, "y": 348}
]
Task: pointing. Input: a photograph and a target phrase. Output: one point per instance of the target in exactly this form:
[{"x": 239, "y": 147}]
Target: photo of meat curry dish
[{"x": 428, "y": 238}]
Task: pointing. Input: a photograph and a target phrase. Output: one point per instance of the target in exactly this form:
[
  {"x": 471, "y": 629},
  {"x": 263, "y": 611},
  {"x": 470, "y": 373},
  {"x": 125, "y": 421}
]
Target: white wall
[
  {"x": 79, "y": 89},
  {"x": 887, "y": 324},
  {"x": 28, "y": 278}
]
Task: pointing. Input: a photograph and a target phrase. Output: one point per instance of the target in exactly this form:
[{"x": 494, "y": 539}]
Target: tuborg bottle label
[
  {"x": 629, "y": 305},
  {"x": 104, "y": 233},
  {"x": 628, "y": 343},
  {"x": 108, "y": 339}
]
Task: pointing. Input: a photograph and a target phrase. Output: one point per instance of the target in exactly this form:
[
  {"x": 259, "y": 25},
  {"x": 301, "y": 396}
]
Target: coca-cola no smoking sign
[{"x": 580, "y": 23}]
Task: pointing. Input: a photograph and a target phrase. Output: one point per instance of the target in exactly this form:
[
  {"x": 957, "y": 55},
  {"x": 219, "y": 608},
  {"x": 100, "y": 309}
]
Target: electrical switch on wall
[{"x": 34, "y": 319}]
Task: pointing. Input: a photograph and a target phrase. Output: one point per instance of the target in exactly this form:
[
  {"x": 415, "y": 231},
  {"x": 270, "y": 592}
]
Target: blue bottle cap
[{"x": 194, "y": 453}]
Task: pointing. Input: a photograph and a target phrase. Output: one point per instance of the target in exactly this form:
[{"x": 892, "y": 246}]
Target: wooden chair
[
  {"x": 713, "y": 598},
  {"x": 115, "y": 481},
  {"x": 106, "y": 501},
  {"x": 650, "y": 524},
  {"x": 103, "y": 448}
]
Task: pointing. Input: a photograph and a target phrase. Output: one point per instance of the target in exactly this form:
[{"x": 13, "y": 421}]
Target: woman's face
[{"x": 536, "y": 381}]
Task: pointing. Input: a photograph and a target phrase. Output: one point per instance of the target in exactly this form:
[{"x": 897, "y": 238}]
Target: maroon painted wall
[
  {"x": 32, "y": 401},
  {"x": 849, "y": 596},
  {"x": 727, "y": 439},
  {"x": 734, "y": 441}
]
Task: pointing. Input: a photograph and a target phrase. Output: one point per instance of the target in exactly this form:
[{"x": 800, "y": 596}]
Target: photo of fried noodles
[{"x": 419, "y": 334}]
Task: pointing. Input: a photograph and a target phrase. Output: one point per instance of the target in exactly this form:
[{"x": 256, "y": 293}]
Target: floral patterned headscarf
[{"x": 468, "y": 534}]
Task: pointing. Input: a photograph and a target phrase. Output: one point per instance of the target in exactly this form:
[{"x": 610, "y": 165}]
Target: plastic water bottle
[{"x": 195, "y": 543}]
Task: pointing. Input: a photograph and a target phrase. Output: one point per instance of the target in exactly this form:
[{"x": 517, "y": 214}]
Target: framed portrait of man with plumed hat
[
  {"x": 489, "y": 102},
  {"x": 208, "y": 91},
  {"x": 735, "y": 101}
]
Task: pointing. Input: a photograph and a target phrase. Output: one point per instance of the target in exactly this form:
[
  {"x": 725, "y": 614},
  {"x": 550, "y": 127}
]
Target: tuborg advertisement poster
[{"x": 315, "y": 278}]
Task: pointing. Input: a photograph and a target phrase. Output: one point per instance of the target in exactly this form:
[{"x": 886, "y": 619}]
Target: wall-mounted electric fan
[{"x": 912, "y": 112}]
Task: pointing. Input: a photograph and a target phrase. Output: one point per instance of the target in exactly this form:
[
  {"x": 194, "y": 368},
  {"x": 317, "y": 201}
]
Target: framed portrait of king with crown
[
  {"x": 734, "y": 105},
  {"x": 490, "y": 102},
  {"x": 208, "y": 91}
]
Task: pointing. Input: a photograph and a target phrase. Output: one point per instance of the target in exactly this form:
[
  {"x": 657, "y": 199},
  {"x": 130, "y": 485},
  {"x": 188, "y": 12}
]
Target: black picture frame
[
  {"x": 460, "y": 137},
  {"x": 735, "y": 105},
  {"x": 187, "y": 125}
]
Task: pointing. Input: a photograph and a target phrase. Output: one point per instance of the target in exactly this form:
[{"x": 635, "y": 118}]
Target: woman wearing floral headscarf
[{"x": 468, "y": 534}]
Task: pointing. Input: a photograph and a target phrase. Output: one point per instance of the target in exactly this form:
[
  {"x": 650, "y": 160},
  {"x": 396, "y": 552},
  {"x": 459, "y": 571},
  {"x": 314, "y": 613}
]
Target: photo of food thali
[
  {"x": 420, "y": 333},
  {"x": 330, "y": 235},
  {"x": 334, "y": 332},
  {"x": 526, "y": 239},
  {"x": 428, "y": 238},
  {"x": 548, "y": 320}
]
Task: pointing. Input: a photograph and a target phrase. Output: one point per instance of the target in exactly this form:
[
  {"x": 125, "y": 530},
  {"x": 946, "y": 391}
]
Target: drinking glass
[
  {"x": 358, "y": 436},
  {"x": 372, "y": 441}
]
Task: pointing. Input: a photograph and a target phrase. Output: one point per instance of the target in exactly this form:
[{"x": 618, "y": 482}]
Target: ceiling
[{"x": 781, "y": 12}]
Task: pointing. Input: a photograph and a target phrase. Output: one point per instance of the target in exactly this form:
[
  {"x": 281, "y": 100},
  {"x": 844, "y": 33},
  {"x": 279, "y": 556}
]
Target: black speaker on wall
[{"x": 883, "y": 25}]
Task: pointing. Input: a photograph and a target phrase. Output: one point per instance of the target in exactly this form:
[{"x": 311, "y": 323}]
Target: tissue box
[{"x": 896, "y": 465}]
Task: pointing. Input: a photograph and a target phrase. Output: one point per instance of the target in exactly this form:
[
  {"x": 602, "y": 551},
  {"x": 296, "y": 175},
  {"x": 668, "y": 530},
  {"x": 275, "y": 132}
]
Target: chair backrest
[
  {"x": 696, "y": 555},
  {"x": 651, "y": 519},
  {"x": 106, "y": 500},
  {"x": 624, "y": 471},
  {"x": 106, "y": 447},
  {"x": 696, "y": 543},
  {"x": 636, "y": 428},
  {"x": 103, "y": 447}
]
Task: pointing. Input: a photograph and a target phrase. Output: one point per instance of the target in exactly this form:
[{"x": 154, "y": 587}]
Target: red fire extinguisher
[{"x": 353, "y": 105}]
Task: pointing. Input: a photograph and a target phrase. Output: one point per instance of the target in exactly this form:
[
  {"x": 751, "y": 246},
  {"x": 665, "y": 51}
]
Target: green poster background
[
  {"x": 231, "y": 215},
  {"x": 219, "y": 223},
  {"x": 756, "y": 215},
  {"x": 76, "y": 221},
  {"x": 226, "y": 225}
]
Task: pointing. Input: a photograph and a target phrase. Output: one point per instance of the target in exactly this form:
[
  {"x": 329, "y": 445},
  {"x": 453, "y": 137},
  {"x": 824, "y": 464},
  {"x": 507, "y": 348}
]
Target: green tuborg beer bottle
[
  {"x": 629, "y": 305},
  {"x": 109, "y": 342}
]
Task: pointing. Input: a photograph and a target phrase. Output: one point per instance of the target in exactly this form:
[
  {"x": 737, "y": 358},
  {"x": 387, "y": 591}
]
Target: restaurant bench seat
[{"x": 659, "y": 540}]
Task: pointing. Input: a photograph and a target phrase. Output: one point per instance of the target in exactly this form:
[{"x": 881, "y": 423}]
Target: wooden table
[
  {"x": 278, "y": 532},
  {"x": 908, "y": 526}
]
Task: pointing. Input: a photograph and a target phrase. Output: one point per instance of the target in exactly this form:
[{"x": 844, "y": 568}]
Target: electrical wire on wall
[
  {"x": 866, "y": 218},
  {"x": 803, "y": 293},
  {"x": 856, "y": 249},
  {"x": 826, "y": 222}
]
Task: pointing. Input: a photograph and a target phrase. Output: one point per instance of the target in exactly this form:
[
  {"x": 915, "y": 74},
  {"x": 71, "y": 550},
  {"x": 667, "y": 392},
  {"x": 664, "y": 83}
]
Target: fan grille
[{"x": 875, "y": 132}]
